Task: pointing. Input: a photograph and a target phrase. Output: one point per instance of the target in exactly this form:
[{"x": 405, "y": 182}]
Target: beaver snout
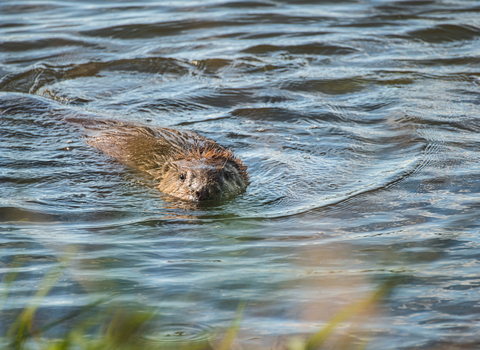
[
  {"x": 201, "y": 194},
  {"x": 204, "y": 192}
]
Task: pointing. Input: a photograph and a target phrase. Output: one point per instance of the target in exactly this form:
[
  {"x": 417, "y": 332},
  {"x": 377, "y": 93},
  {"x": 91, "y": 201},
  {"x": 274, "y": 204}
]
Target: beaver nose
[{"x": 201, "y": 194}]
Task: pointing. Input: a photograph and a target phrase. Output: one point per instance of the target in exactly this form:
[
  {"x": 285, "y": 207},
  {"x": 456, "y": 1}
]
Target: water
[{"x": 358, "y": 121}]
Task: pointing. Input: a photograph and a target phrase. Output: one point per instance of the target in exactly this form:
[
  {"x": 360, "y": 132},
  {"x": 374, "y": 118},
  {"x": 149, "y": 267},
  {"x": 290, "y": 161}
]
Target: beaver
[{"x": 184, "y": 165}]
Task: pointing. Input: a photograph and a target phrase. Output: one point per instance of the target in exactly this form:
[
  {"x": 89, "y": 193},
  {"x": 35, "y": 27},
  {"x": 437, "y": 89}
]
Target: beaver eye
[
  {"x": 182, "y": 177},
  {"x": 227, "y": 175}
]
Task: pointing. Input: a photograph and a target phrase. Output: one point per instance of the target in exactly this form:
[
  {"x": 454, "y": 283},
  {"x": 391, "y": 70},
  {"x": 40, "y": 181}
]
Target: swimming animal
[{"x": 183, "y": 164}]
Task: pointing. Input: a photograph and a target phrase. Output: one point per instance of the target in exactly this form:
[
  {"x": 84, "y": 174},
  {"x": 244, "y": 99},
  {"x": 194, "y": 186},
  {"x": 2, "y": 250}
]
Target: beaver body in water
[{"x": 185, "y": 165}]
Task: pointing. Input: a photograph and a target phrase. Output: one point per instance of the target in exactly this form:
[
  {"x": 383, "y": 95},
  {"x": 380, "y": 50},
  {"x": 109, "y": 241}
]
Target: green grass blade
[
  {"x": 232, "y": 331},
  {"x": 21, "y": 327},
  {"x": 319, "y": 338}
]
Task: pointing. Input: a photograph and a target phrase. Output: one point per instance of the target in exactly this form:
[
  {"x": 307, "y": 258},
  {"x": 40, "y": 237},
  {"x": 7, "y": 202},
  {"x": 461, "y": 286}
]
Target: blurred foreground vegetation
[{"x": 104, "y": 324}]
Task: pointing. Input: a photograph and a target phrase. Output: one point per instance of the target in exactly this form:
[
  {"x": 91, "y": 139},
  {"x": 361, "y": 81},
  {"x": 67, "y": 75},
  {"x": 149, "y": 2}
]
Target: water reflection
[{"x": 357, "y": 120}]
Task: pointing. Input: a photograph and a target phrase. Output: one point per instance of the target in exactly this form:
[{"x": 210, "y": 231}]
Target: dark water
[{"x": 358, "y": 120}]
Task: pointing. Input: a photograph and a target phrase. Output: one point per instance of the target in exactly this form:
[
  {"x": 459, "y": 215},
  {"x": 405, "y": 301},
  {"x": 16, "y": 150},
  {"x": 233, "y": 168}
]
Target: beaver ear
[{"x": 231, "y": 165}]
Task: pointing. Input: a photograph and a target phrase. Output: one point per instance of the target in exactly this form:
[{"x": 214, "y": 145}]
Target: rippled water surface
[{"x": 358, "y": 121}]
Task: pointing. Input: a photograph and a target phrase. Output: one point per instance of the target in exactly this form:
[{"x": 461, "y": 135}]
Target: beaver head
[{"x": 205, "y": 174}]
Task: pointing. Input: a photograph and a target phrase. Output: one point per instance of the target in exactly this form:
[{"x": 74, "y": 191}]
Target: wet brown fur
[
  {"x": 210, "y": 171},
  {"x": 213, "y": 152}
]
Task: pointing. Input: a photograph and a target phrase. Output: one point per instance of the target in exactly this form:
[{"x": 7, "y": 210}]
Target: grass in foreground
[{"x": 118, "y": 328}]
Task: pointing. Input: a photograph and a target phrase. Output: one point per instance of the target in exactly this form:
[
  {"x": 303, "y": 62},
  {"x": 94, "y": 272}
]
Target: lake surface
[{"x": 358, "y": 120}]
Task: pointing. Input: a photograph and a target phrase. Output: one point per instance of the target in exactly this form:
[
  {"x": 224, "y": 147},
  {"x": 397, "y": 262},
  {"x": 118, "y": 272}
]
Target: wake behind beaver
[{"x": 185, "y": 165}]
